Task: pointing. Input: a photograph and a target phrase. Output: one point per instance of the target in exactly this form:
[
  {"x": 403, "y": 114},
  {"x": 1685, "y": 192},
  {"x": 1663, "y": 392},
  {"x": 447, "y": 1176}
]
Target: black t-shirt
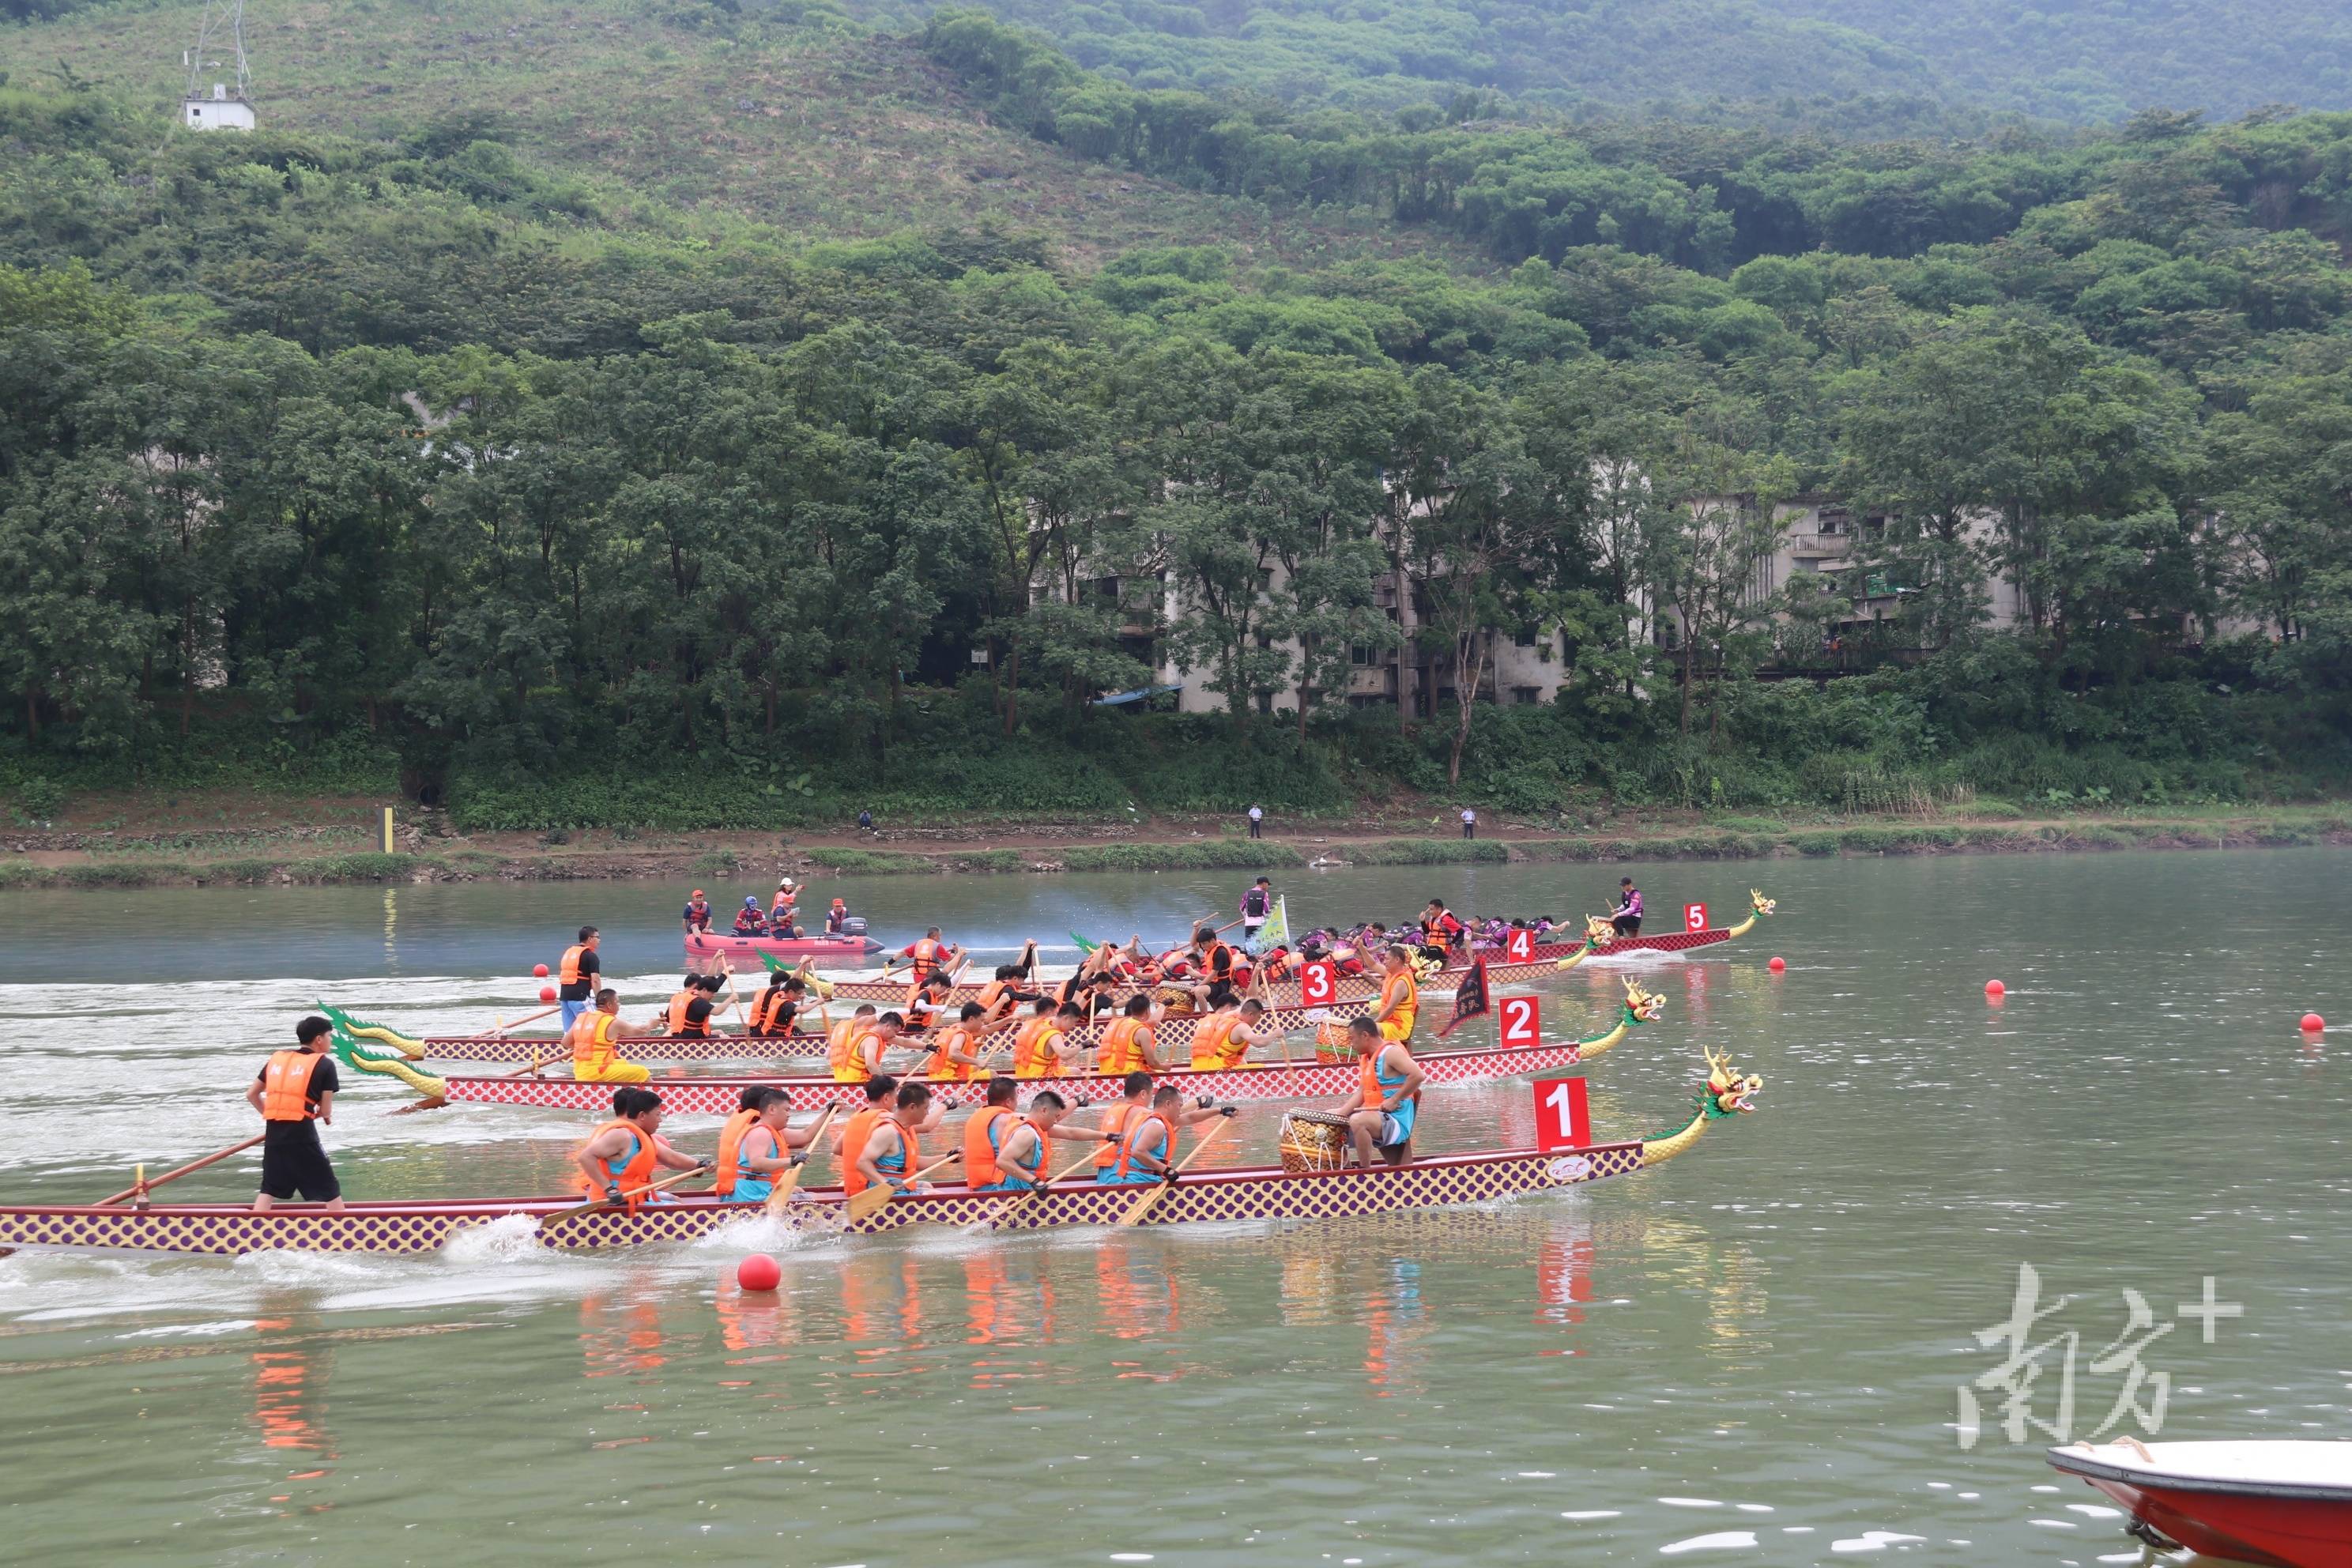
[
  {"x": 699, "y": 1010},
  {"x": 584, "y": 987},
  {"x": 322, "y": 1081}
]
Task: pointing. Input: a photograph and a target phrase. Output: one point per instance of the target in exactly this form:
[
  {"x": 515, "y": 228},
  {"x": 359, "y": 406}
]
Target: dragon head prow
[
  {"x": 1727, "y": 1093},
  {"x": 1643, "y": 1007},
  {"x": 1758, "y": 902},
  {"x": 1598, "y": 932}
]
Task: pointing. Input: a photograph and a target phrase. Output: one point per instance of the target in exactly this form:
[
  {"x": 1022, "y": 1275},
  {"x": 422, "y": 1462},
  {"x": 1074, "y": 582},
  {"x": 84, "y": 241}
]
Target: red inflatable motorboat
[{"x": 2285, "y": 1504}]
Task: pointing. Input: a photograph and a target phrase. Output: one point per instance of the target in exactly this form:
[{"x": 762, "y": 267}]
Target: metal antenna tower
[{"x": 223, "y": 30}]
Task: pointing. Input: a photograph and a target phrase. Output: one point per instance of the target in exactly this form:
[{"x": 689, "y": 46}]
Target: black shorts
[
  {"x": 1628, "y": 925},
  {"x": 293, "y": 1161}
]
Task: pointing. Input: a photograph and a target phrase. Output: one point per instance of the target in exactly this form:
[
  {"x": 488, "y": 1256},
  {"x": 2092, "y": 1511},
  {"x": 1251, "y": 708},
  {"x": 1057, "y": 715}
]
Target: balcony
[{"x": 1820, "y": 545}]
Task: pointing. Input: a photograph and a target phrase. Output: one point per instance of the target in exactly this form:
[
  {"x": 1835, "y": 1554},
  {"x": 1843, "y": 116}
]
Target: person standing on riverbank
[
  {"x": 1469, "y": 823},
  {"x": 1256, "y": 821},
  {"x": 579, "y": 971},
  {"x": 295, "y": 1091}
]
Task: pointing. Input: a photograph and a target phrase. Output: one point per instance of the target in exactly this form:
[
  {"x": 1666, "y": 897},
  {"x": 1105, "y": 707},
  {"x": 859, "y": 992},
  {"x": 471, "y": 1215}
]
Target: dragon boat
[
  {"x": 1174, "y": 1032},
  {"x": 1309, "y": 1079},
  {"x": 559, "y": 1223}
]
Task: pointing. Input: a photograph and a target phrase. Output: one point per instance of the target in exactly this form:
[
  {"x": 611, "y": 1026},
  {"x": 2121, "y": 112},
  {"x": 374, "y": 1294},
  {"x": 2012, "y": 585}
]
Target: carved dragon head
[
  {"x": 1643, "y": 1007},
  {"x": 1597, "y": 932},
  {"x": 1758, "y": 902},
  {"x": 1727, "y": 1093}
]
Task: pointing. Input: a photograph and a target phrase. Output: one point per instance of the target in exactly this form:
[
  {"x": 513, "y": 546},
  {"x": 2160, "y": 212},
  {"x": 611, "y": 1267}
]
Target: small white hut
[{"x": 219, "y": 112}]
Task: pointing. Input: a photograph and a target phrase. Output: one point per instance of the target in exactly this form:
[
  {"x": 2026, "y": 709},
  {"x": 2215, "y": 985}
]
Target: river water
[{"x": 1752, "y": 1356}]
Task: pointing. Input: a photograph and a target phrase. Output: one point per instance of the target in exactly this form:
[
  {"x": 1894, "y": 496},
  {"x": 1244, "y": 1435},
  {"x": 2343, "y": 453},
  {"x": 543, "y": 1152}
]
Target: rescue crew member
[
  {"x": 1380, "y": 1113},
  {"x": 842, "y": 1044},
  {"x": 893, "y": 1149},
  {"x": 578, "y": 974},
  {"x": 620, "y": 1158},
  {"x": 836, "y": 919},
  {"x": 1443, "y": 929},
  {"x": 294, "y": 1091},
  {"x": 595, "y": 1042},
  {"x": 955, "y": 1054},
  {"x": 775, "y": 1010},
  {"x": 1147, "y": 1144},
  {"x": 747, "y": 919},
  {"x": 697, "y": 914},
  {"x": 756, "y": 1145},
  {"x": 928, "y": 952},
  {"x": 1129, "y": 1044},
  {"x": 1223, "y": 1041},
  {"x": 1399, "y": 1002},
  {"x": 782, "y": 914},
  {"x": 1627, "y": 916}
]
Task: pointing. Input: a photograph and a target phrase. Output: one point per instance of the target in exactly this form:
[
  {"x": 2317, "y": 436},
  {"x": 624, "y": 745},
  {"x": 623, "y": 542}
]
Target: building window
[
  {"x": 1525, "y": 639},
  {"x": 1359, "y": 653},
  {"x": 1835, "y": 521},
  {"x": 1526, "y": 696}
]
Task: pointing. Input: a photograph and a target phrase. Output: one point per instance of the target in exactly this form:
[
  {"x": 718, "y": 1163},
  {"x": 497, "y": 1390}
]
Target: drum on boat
[
  {"x": 1332, "y": 1043},
  {"x": 1312, "y": 1141}
]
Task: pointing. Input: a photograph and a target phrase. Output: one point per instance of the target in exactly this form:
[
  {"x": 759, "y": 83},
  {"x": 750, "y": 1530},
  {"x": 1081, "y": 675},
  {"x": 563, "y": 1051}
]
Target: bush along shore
[{"x": 1733, "y": 838}]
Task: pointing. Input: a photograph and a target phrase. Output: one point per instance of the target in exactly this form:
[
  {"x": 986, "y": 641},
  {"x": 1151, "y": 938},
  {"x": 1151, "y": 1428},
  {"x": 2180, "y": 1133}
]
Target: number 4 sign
[
  {"x": 1318, "y": 984},
  {"x": 1522, "y": 1023},
  {"x": 1520, "y": 945},
  {"x": 1694, "y": 917},
  {"x": 1561, "y": 1120}
]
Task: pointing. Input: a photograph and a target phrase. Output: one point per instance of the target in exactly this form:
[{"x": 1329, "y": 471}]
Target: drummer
[
  {"x": 1380, "y": 1114},
  {"x": 1399, "y": 1001}
]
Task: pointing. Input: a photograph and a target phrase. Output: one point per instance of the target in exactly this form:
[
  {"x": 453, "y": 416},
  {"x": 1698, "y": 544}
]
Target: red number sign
[
  {"x": 1520, "y": 946},
  {"x": 1522, "y": 1021},
  {"x": 1694, "y": 917},
  {"x": 1318, "y": 984},
  {"x": 1561, "y": 1120}
]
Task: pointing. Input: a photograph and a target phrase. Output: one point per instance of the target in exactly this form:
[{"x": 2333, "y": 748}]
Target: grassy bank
[{"x": 1728, "y": 838}]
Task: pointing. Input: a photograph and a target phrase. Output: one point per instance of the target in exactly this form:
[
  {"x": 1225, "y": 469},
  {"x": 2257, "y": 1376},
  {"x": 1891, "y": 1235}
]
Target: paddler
[
  {"x": 294, "y": 1092},
  {"x": 928, "y": 953},
  {"x": 697, "y": 914},
  {"x": 881, "y": 1092},
  {"x": 1399, "y": 1001},
  {"x": 1002, "y": 995},
  {"x": 893, "y": 1151},
  {"x": 1129, "y": 1044},
  {"x": 1146, "y": 1144},
  {"x": 927, "y": 1001},
  {"x": 1380, "y": 1114},
  {"x": 775, "y": 1010},
  {"x": 1223, "y": 1042},
  {"x": 756, "y": 1145},
  {"x": 690, "y": 1007},
  {"x": 1004, "y": 1150},
  {"x": 1047, "y": 1046},
  {"x": 595, "y": 1042},
  {"x": 845, "y": 1044},
  {"x": 1135, "y": 1099},
  {"x": 577, "y": 974},
  {"x": 620, "y": 1158},
  {"x": 955, "y": 1052}
]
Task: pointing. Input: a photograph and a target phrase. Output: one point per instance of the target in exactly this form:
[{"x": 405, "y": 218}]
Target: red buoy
[
  {"x": 2313, "y": 1022},
  {"x": 1777, "y": 963},
  {"x": 547, "y": 993},
  {"x": 759, "y": 1272},
  {"x": 1995, "y": 989},
  {"x": 539, "y": 972}
]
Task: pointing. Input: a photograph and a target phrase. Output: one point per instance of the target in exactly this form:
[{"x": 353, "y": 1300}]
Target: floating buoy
[
  {"x": 759, "y": 1272},
  {"x": 547, "y": 993},
  {"x": 1777, "y": 963},
  {"x": 2314, "y": 1023},
  {"x": 1995, "y": 989},
  {"x": 539, "y": 972}
]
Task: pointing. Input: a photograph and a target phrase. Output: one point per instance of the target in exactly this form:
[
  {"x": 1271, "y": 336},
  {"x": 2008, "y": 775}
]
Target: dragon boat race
[{"x": 1819, "y": 1210}]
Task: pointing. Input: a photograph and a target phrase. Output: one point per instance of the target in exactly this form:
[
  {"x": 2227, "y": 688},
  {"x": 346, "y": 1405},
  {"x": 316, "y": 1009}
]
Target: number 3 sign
[
  {"x": 1520, "y": 945},
  {"x": 1318, "y": 984},
  {"x": 1522, "y": 1023},
  {"x": 1561, "y": 1120},
  {"x": 1694, "y": 917}
]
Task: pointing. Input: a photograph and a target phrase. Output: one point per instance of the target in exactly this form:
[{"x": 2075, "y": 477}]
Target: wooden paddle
[
  {"x": 669, "y": 1181},
  {"x": 881, "y": 1193},
  {"x": 1150, "y": 1200},
  {"x": 501, "y": 1028},
  {"x": 788, "y": 1180},
  {"x": 142, "y": 1187},
  {"x": 1017, "y": 1199}
]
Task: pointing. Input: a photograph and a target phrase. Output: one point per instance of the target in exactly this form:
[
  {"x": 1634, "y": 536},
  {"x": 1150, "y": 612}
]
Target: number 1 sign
[
  {"x": 1561, "y": 1120},
  {"x": 1318, "y": 984},
  {"x": 1520, "y": 945},
  {"x": 1522, "y": 1023}
]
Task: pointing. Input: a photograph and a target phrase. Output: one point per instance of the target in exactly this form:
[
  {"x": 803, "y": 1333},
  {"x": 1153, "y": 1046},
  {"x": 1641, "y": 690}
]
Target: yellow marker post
[{"x": 387, "y": 830}]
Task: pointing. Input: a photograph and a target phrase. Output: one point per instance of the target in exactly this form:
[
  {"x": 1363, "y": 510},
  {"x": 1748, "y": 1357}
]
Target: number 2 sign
[
  {"x": 1520, "y": 945},
  {"x": 1522, "y": 1021},
  {"x": 1561, "y": 1120},
  {"x": 1694, "y": 917},
  {"x": 1318, "y": 984}
]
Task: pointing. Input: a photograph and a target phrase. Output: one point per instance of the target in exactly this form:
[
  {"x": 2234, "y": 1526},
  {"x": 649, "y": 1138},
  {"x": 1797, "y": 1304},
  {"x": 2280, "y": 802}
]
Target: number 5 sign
[
  {"x": 1561, "y": 1120},
  {"x": 1694, "y": 917},
  {"x": 1520, "y": 945},
  {"x": 1318, "y": 984},
  {"x": 1522, "y": 1023}
]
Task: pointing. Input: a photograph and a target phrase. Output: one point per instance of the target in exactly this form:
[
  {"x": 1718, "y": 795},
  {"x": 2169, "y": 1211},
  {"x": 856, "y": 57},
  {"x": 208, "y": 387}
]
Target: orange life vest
[
  {"x": 1115, "y": 1119},
  {"x": 1133, "y": 1140},
  {"x": 639, "y": 1171},
  {"x": 853, "y": 1182},
  {"x": 927, "y": 958},
  {"x": 945, "y": 1069},
  {"x": 1209, "y": 1049},
  {"x": 1216, "y": 958},
  {"x": 730, "y": 1143},
  {"x": 677, "y": 1006},
  {"x": 980, "y": 1149},
  {"x": 853, "y": 1138},
  {"x": 568, "y": 972},
  {"x": 840, "y": 1053},
  {"x": 764, "y": 1008},
  {"x": 1121, "y": 1052},
  {"x": 1375, "y": 1096},
  {"x": 593, "y": 1045},
  {"x": 1400, "y": 989},
  {"x": 867, "y": 1052},
  {"x": 1031, "y": 1054},
  {"x": 285, "y": 1086}
]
